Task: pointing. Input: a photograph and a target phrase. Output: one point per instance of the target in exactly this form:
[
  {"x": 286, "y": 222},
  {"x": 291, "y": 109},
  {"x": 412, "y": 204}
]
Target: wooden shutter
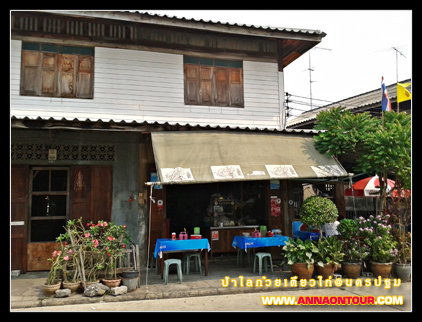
[
  {"x": 67, "y": 73},
  {"x": 30, "y": 84},
  {"x": 191, "y": 84},
  {"x": 48, "y": 74},
  {"x": 222, "y": 88},
  {"x": 205, "y": 93},
  {"x": 85, "y": 77},
  {"x": 236, "y": 87}
]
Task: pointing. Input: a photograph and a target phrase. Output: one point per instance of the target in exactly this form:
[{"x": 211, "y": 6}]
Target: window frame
[
  {"x": 52, "y": 70},
  {"x": 213, "y": 82},
  {"x": 46, "y": 193}
]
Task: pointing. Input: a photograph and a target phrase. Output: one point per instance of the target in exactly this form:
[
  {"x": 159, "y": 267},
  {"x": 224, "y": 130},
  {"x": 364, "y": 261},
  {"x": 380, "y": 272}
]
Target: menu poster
[
  {"x": 275, "y": 206},
  {"x": 214, "y": 235}
]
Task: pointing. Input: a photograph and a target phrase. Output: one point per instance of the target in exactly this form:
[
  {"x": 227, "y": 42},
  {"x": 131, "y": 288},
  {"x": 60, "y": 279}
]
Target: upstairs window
[
  {"x": 57, "y": 70},
  {"x": 215, "y": 82}
]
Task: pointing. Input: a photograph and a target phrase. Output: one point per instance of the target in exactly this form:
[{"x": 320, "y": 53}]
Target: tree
[{"x": 379, "y": 148}]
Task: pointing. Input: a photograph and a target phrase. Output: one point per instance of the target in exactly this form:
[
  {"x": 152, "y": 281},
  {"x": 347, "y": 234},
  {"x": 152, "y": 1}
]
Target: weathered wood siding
[{"x": 134, "y": 85}]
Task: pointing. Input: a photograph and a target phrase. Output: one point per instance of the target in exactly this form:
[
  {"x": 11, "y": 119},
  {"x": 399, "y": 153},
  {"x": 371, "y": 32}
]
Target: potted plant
[
  {"x": 53, "y": 281},
  {"x": 300, "y": 256},
  {"x": 317, "y": 210},
  {"x": 355, "y": 252},
  {"x": 328, "y": 257},
  {"x": 348, "y": 229},
  {"x": 112, "y": 239},
  {"x": 376, "y": 231},
  {"x": 401, "y": 219}
]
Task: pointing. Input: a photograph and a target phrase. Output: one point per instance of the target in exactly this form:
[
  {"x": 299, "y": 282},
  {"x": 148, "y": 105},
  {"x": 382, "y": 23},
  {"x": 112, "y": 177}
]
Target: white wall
[{"x": 140, "y": 85}]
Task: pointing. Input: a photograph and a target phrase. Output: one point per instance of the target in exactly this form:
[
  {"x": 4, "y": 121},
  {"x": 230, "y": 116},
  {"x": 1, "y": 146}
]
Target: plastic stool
[
  {"x": 187, "y": 257},
  {"x": 240, "y": 252},
  {"x": 167, "y": 263},
  {"x": 260, "y": 257}
]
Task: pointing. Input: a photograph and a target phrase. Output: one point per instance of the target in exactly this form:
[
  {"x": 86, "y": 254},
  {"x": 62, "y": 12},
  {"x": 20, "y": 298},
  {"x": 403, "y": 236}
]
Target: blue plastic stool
[
  {"x": 260, "y": 257},
  {"x": 167, "y": 263},
  {"x": 186, "y": 259}
]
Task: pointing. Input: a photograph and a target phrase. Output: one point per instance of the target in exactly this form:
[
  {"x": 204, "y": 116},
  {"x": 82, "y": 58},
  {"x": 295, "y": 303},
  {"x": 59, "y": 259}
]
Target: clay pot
[
  {"x": 301, "y": 270},
  {"x": 112, "y": 283},
  {"x": 402, "y": 271},
  {"x": 50, "y": 289},
  {"x": 381, "y": 269},
  {"x": 73, "y": 287},
  {"x": 351, "y": 270},
  {"x": 326, "y": 271}
]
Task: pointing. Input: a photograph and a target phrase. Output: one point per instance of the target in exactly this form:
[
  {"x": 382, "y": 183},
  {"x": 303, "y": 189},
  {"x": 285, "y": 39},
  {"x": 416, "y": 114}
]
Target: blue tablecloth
[
  {"x": 166, "y": 244},
  {"x": 252, "y": 242}
]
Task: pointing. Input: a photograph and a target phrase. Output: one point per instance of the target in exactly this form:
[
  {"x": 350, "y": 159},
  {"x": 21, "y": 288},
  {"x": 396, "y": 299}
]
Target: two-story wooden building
[{"x": 102, "y": 102}]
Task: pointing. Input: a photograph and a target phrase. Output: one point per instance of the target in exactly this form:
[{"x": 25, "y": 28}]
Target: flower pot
[
  {"x": 301, "y": 270},
  {"x": 130, "y": 274},
  {"x": 381, "y": 269},
  {"x": 112, "y": 283},
  {"x": 90, "y": 283},
  {"x": 351, "y": 270},
  {"x": 326, "y": 271},
  {"x": 402, "y": 271},
  {"x": 72, "y": 286},
  {"x": 50, "y": 289}
]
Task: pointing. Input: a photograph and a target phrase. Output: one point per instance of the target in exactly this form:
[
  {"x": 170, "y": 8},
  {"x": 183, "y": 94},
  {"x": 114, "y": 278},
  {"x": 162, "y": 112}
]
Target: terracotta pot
[
  {"x": 351, "y": 270},
  {"x": 50, "y": 289},
  {"x": 402, "y": 271},
  {"x": 326, "y": 271},
  {"x": 72, "y": 286},
  {"x": 112, "y": 283},
  {"x": 381, "y": 269},
  {"x": 301, "y": 270},
  {"x": 90, "y": 283}
]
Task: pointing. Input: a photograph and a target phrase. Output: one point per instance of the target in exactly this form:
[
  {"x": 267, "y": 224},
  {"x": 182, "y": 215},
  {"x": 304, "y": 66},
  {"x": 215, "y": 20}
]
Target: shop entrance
[{"x": 190, "y": 205}]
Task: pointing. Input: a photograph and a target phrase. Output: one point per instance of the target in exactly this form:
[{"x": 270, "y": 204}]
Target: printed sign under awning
[{"x": 213, "y": 156}]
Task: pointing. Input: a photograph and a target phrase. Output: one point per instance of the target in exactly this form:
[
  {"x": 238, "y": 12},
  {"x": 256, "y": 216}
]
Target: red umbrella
[{"x": 369, "y": 187}]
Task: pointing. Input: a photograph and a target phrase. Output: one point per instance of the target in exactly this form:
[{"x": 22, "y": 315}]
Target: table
[
  {"x": 166, "y": 245},
  {"x": 253, "y": 242}
]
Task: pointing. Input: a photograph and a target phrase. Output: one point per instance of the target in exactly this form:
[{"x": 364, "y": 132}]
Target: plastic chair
[
  {"x": 186, "y": 262},
  {"x": 260, "y": 257},
  {"x": 167, "y": 263}
]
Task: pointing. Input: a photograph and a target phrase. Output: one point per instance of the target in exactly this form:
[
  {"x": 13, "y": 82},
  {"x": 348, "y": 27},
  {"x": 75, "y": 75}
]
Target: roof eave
[{"x": 230, "y": 28}]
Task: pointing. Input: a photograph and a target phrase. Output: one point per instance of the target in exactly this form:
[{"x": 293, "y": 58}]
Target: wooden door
[
  {"x": 19, "y": 212},
  {"x": 91, "y": 192}
]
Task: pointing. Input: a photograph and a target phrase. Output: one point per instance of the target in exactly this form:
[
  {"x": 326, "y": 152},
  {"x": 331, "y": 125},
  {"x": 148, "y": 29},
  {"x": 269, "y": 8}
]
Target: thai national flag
[{"x": 385, "y": 101}]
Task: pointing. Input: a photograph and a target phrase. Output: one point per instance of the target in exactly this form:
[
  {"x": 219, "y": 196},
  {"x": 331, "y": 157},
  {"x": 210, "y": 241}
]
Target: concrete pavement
[{"x": 27, "y": 293}]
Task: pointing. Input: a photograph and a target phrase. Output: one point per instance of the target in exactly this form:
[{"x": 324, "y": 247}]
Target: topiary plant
[{"x": 317, "y": 210}]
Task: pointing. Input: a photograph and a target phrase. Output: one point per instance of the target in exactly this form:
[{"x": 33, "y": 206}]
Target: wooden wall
[{"x": 142, "y": 85}]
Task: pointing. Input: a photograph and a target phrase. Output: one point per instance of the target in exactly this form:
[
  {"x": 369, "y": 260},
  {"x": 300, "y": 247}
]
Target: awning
[{"x": 217, "y": 156}]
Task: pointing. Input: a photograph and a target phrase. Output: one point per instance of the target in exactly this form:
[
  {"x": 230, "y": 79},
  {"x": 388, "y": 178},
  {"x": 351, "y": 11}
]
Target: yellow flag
[{"x": 402, "y": 93}]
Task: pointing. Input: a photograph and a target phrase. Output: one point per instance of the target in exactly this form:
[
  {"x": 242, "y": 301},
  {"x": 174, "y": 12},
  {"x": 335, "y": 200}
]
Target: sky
[{"x": 360, "y": 43}]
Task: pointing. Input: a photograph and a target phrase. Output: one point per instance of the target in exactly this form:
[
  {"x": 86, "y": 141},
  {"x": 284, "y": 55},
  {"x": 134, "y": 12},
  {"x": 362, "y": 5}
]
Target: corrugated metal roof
[
  {"x": 351, "y": 103},
  {"x": 145, "y": 17},
  {"x": 127, "y": 122},
  {"x": 297, "y": 30}
]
